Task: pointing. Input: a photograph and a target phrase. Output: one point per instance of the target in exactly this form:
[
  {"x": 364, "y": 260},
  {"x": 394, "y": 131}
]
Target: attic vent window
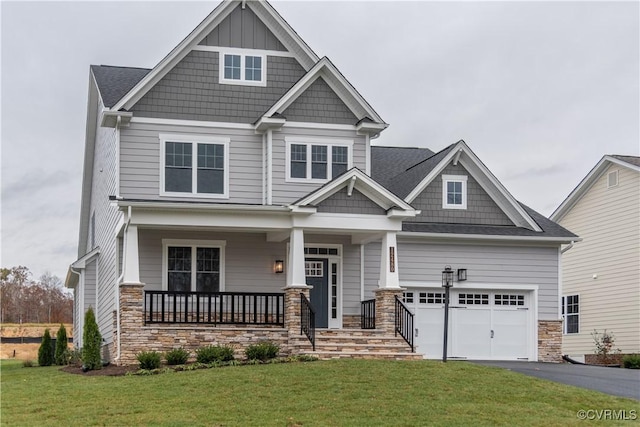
[
  {"x": 454, "y": 192},
  {"x": 612, "y": 180},
  {"x": 241, "y": 68}
]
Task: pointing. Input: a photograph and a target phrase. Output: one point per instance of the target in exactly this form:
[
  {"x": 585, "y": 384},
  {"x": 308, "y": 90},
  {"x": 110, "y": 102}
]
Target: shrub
[
  {"x": 262, "y": 351},
  {"x": 631, "y": 361},
  {"x": 214, "y": 353},
  {"x": 148, "y": 360},
  {"x": 45, "y": 352},
  {"x": 27, "y": 363},
  {"x": 177, "y": 356},
  {"x": 91, "y": 342},
  {"x": 62, "y": 353},
  {"x": 604, "y": 345},
  {"x": 74, "y": 357}
]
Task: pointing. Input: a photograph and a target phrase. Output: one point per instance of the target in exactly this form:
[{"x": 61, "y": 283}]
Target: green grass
[{"x": 340, "y": 393}]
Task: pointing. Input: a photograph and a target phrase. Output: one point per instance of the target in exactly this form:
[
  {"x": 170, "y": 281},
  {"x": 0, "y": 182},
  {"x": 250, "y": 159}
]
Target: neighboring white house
[
  {"x": 601, "y": 274},
  {"x": 232, "y": 194}
]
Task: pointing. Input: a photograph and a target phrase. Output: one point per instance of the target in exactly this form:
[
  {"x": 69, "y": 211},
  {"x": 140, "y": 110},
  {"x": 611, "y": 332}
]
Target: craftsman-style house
[{"x": 232, "y": 194}]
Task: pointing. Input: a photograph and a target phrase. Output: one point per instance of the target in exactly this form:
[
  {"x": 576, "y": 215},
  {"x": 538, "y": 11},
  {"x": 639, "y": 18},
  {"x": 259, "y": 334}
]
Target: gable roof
[
  {"x": 387, "y": 162},
  {"x": 267, "y": 14},
  {"x": 114, "y": 82},
  {"x": 630, "y": 162},
  {"x": 355, "y": 178},
  {"x": 337, "y": 82}
]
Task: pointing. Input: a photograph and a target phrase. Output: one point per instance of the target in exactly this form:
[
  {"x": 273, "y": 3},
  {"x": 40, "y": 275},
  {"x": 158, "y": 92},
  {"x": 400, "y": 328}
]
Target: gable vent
[{"x": 612, "y": 180}]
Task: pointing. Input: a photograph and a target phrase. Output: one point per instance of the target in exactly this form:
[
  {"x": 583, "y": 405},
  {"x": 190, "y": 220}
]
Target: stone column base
[
  {"x": 386, "y": 308},
  {"x": 550, "y": 341}
]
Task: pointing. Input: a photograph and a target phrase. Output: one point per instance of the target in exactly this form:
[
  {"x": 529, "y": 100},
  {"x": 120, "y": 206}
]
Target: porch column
[
  {"x": 389, "y": 278},
  {"x": 131, "y": 261},
  {"x": 295, "y": 263},
  {"x": 386, "y": 308}
]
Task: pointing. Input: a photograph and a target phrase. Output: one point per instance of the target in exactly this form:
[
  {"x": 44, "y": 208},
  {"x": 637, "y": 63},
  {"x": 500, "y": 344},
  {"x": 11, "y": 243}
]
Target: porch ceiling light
[
  {"x": 462, "y": 274},
  {"x": 278, "y": 266},
  {"x": 447, "y": 277}
]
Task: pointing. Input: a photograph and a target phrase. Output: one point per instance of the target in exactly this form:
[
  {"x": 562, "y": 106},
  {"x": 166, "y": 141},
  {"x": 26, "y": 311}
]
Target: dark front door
[{"x": 316, "y": 271}]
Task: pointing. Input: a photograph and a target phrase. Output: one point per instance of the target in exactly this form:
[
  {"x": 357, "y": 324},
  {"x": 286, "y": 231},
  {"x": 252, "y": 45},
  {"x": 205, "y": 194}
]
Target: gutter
[{"x": 568, "y": 247}]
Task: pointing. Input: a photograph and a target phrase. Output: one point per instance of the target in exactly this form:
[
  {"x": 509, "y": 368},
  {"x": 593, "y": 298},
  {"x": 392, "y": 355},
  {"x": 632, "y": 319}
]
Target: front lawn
[{"x": 342, "y": 392}]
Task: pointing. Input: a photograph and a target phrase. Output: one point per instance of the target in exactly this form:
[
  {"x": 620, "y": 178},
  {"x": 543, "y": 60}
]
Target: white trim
[
  {"x": 269, "y": 167},
  {"x": 191, "y": 123},
  {"x": 194, "y": 140},
  {"x": 309, "y": 142},
  {"x": 243, "y": 54},
  {"x": 564, "y": 317},
  {"x": 367, "y": 154},
  {"x": 241, "y": 51},
  {"x": 487, "y": 237},
  {"x": 616, "y": 173},
  {"x": 219, "y": 244},
  {"x": 361, "y": 272},
  {"x": 446, "y": 179},
  {"x": 309, "y": 125}
]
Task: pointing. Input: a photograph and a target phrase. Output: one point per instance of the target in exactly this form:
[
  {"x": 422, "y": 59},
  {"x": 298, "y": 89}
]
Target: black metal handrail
[
  {"x": 255, "y": 308},
  {"x": 307, "y": 320},
  {"x": 404, "y": 322},
  {"x": 368, "y": 314}
]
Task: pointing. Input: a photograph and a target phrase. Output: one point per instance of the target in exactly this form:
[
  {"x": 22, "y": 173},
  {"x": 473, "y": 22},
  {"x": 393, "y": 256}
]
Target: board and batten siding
[
  {"x": 106, "y": 219},
  {"x": 140, "y": 162},
  {"x": 486, "y": 264},
  {"x": 608, "y": 221},
  {"x": 285, "y": 192}
]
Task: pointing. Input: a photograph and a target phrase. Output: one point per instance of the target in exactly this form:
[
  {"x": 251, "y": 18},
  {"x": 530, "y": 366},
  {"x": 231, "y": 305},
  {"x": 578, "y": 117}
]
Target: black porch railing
[
  {"x": 404, "y": 322},
  {"x": 368, "y": 314},
  {"x": 233, "y": 308},
  {"x": 307, "y": 320}
]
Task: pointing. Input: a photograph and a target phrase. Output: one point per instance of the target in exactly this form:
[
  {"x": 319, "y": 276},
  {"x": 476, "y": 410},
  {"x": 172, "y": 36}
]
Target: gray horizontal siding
[
  {"x": 481, "y": 209},
  {"x": 320, "y": 104},
  {"x": 249, "y": 259},
  {"x": 288, "y": 192},
  {"x": 90, "y": 286},
  {"x": 485, "y": 264},
  {"x": 190, "y": 91},
  {"x": 140, "y": 161},
  {"x": 243, "y": 29}
]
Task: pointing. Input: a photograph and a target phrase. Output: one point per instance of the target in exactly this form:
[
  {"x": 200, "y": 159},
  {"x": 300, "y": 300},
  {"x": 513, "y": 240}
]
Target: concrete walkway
[{"x": 614, "y": 381}]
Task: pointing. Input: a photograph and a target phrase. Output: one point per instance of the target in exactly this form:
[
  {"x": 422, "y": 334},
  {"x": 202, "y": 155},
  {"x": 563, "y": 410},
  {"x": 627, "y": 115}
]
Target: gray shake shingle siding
[
  {"x": 357, "y": 203},
  {"x": 190, "y": 91},
  {"x": 319, "y": 104}
]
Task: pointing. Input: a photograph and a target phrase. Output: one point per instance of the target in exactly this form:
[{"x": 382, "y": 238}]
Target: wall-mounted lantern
[
  {"x": 462, "y": 274},
  {"x": 278, "y": 266}
]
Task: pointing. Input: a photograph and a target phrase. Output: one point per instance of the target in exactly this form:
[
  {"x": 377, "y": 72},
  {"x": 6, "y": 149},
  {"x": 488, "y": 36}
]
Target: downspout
[
  {"x": 119, "y": 280},
  {"x": 560, "y": 292},
  {"x": 75, "y": 342},
  {"x": 567, "y": 248}
]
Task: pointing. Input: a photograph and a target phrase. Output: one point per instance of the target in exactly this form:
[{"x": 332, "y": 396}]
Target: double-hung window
[
  {"x": 194, "y": 166},
  {"x": 242, "y": 68},
  {"x": 454, "y": 192},
  {"x": 317, "y": 160},
  {"x": 193, "y": 266},
  {"x": 571, "y": 314}
]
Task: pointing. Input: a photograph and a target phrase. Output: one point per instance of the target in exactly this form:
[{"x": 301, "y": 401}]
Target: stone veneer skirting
[{"x": 550, "y": 341}]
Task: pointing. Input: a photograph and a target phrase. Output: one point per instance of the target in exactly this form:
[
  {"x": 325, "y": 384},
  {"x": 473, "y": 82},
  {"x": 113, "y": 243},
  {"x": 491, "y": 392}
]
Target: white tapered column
[
  {"x": 389, "y": 277},
  {"x": 131, "y": 262},
  {"x": 295, "y": 263}
]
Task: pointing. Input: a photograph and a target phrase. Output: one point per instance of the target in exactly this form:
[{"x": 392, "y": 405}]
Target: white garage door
[{"x": 482, "y": 324}]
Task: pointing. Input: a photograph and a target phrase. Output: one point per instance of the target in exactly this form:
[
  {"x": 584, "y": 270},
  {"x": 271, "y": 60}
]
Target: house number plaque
[{"x": 392, "y": 259}]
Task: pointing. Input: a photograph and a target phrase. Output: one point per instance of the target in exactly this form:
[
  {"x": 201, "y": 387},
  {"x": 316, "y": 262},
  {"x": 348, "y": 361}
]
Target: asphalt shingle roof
[
  {"x": 114, "y": 82},
  {"x": 387, "y": 162},
  {"x": 633, "y": 160}
]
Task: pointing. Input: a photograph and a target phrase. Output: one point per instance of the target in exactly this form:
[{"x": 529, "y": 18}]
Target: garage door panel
[
  {"x": 430, "y": 333},
  {"x": 510, "y": 334},
  {"x": 471, "y": 333}
]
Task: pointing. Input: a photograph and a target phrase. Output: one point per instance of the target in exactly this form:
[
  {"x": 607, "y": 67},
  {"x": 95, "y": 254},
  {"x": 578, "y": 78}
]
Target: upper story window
[
  {"x": 571, "y": 313},
  {"x": 242, "y": 68},
  {"x": 454, "y": 192},
  {"x": 194, "y": 166},
  {"x": 310, "y": 159}
]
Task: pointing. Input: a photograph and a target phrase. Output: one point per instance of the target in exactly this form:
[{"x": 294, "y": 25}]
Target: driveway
[{"x": 614, "y": 381}]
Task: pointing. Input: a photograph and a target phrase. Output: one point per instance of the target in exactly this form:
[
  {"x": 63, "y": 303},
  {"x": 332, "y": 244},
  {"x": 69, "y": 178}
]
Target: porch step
[{"x": 354, "y": 343}]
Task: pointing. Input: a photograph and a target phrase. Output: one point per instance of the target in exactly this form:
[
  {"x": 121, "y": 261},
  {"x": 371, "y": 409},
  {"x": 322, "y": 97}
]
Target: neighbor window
[
  {"x": 571, "y": 314},
  {"x": 194, "y": 266},
  {"x": 454, "y": 192},
  {"x": 243, "y": 69},
  {"x": 612, "y": 179},
  {"x": 198, "y": 167},
  {"x": 317, "y": 161}
]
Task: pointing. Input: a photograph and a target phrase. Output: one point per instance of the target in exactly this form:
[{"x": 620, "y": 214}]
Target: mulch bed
[{"x": 109, "y": 370}]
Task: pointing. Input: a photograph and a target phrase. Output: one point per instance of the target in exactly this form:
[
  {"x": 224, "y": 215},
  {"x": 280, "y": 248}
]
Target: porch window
[
  {"x": 194, "y": 166},
  {"x": 317, "y": 160},
  {"x": 193, "y": 266}
]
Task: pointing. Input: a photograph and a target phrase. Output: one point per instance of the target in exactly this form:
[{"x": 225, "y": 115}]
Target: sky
[{"x": 540, "y": 91}]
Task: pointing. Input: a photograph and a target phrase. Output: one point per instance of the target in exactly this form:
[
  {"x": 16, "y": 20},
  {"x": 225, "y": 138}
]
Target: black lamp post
[{"x": 447, "y": 283}]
